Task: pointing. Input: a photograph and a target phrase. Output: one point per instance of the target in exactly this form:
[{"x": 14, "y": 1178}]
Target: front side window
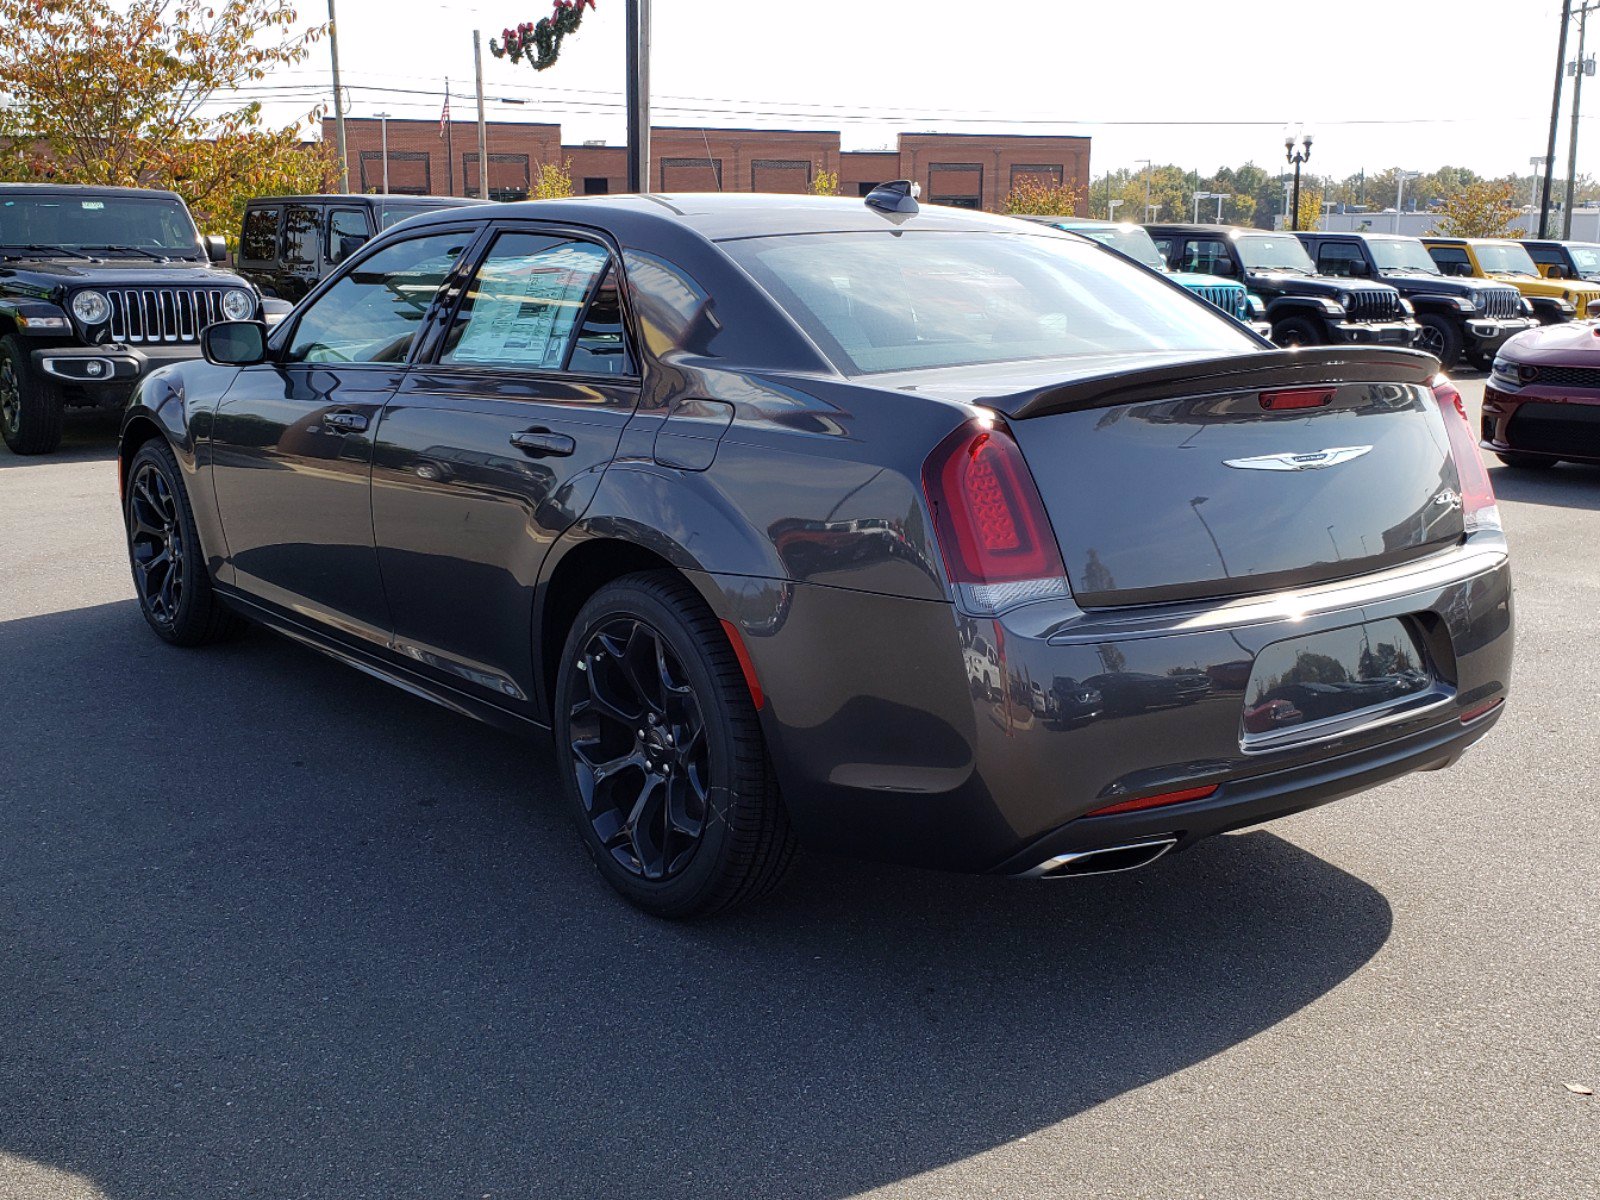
[
  {"x": 1207, "y": 256},
  {"x": 373, "y": 313},
  {"x": 259, "y": 243},
  {"x": 525, "y": 303},
  {"x": 299, "y": 235},
  {"x": 347, "y": 233},
  {"x": 886, "y": 301},
  {"x": 1334, "y": 258},
  {"x": 1452, "y": 260}
]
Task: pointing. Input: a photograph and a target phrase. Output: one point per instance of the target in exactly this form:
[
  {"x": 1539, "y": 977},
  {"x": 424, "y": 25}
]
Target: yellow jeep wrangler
[{"x": 1553, "y": 300}]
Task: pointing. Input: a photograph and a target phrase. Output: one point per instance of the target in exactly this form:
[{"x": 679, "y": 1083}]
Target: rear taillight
[
  {"x": 1478, "y": 509},
  {"x": 998, "y": 547}
]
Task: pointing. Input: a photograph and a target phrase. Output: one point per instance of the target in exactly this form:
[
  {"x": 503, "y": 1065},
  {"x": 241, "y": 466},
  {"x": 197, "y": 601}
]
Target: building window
[
  {"x": 1042, "y": 174},
  {"x": 865, "y": 189},
  {"x": 788, "y": 175},
  {"x": 509, "y": 177},
  {"x": 410, "y": 172},
  {"x": 596, "y": 185},
  {"x": 959, "y": 185},
  {"x": 691, "y": 174}
]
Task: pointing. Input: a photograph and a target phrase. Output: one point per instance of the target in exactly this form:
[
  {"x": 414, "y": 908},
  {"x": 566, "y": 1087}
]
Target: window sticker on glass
[
  {"x": 94, "y": 205},
  {"x": 524, "y": 306}
]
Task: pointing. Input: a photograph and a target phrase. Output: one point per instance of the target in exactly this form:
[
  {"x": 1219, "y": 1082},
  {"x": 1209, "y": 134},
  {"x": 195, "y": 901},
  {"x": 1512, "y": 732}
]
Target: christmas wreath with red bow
[{"x": 539, "y": 45}]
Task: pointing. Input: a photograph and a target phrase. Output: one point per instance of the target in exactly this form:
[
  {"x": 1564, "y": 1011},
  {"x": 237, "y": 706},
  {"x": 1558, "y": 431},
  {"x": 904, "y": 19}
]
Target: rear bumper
[
  {"x": 105, "y": 375},
  {"x": 891, "y": 743},
  {"x": 1376, "y": 333}
]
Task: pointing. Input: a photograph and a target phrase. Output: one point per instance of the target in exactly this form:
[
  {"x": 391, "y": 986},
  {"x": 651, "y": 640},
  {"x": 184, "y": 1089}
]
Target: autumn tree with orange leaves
[{"x": 143, "y": 95}]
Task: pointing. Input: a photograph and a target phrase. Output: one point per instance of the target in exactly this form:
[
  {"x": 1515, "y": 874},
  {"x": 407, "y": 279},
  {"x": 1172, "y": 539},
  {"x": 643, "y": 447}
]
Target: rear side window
[
  {"x": 525, "y": 303},
  {"x": 602, "y": 345},
  {"x": 299, "y": 234},
  {"x": 886, "y": 301},
  {"x": 374, "y": 313},
  {"x": 347, "y": 233},
  {"x": 259, "y": 242}
]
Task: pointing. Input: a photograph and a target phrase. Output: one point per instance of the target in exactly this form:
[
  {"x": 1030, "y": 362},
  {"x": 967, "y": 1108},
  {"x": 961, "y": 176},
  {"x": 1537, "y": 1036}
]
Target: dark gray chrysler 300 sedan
[{"x": 905, "y": 533}]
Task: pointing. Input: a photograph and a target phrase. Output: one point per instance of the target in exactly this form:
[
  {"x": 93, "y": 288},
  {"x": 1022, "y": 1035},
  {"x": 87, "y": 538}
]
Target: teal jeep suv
[{"x": 1134, "y": 241}]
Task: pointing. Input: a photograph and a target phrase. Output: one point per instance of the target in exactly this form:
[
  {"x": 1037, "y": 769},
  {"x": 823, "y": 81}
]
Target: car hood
[
  {"x": 1572, "y": 343},
  {"x": 1548, "y": 287},
  {"x": 121, "y": 272},
  {"x": 1190, "y": 279},
  {"x": 1290, "y": 284}
]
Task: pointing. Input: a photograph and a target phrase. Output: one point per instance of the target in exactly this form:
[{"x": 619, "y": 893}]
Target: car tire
[
  {"x": 661, "y": 754},
  {"x": 1527, "y": 462},
  {"x": 30, "y": 409},
  {"x": 170, "y": 578},
  {"x": 1440, "y": 337},
  {"x": 1296, "y": 331}
]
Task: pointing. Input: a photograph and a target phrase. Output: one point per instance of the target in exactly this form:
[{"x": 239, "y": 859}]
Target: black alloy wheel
[
  {"x": 169, "y": 571},
  {"x": 663, "y": 761},
  {"x": 1439, "y": 337},
  {"x": 1296, "y": 331},
  {"x": 639, "y": 748},
  {"x": 30, "y": 410}
]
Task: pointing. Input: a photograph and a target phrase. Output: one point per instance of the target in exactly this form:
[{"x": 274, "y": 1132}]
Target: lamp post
[
  {"x": 1111, "y": 208},
  {"x": 1327, "y": 210},
  {"x": 1147, "y": 168},
  {"x": 1400, "y": 194},
  {"x": 1299, "y": 155},
  {"x": 1535, "y": 162},
  {"x": 1219, "y": 197},
  {"x": 383, "y": 124}
]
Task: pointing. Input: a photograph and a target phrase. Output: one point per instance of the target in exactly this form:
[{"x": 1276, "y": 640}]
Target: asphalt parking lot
[{"x": 269, "y": 928}]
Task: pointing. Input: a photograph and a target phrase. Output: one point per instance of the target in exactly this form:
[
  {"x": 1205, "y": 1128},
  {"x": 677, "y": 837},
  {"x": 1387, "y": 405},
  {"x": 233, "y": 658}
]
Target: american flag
[{"x": 444, "y": 114}]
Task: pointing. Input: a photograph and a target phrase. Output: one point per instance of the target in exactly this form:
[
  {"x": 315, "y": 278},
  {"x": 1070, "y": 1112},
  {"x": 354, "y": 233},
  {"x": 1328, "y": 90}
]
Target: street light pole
[
  {"x": 1555, "y": 117},
  {"x": 1147, "y": 168},
  {"x": 638, "y": 35},
  {"x": 338, "y": 102},
  {"x": 383, "y": 124},
  {"x": 1111, "y": 208},
  {"x": 1400, "y": 194},
  {"x": 1533, "y": 199},
  {"x": 1572, "y": 140},
  {"x": 1299, "y": 156}
]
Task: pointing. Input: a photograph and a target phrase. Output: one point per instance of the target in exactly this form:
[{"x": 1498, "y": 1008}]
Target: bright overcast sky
[{"x": 1463, "y": 82}]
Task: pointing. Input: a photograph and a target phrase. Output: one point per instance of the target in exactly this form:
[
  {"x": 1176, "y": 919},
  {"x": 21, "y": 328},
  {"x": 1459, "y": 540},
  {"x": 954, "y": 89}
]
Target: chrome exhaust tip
[{"x": 1106, "y": 861}]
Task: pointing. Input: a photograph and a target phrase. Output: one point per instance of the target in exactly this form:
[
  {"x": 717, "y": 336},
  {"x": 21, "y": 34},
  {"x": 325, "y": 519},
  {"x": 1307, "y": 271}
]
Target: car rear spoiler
[{"x": 1232, "y": 373}]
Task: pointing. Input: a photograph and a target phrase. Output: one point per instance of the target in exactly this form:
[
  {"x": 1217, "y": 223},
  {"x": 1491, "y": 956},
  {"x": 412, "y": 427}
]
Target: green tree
[
  {"x": 1034, "y": 197},
  {"x": 552, "y": 181},
  {"x": 1482, "y": 210},
  {"x": 137, "y": 94}
]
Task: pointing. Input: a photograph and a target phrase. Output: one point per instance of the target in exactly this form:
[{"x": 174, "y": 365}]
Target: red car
[{"x": 1542, "y": 402}]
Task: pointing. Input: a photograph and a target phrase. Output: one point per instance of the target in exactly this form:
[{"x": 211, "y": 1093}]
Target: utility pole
[
  {"x": 1577, "y": 104},
  {"x": 449, "y": 144},
  {"x": 1400, "y": 194},
  {"x": 483, "y": 128},
  {"x": 1555, "y": 118},
  {"x": 383, "y": 124},
  {"x": 638, "y": 35},
  {"x": 338, "y": 102},
  {"x": 1147, "y": 169}
]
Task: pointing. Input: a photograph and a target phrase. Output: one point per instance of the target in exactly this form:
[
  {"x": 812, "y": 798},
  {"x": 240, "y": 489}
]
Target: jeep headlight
[
  {"x": 1345, "y": 299},
  {"x": 1476, "y": 299},
  {"x": 1466, "y": 303},
  {"x": 92, "y": 308},
  {"x": 238, "y": 305}
]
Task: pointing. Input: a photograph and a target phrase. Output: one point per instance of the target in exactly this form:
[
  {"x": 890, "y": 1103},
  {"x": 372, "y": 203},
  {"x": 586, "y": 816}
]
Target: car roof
[
  {"x": 1365, "y": 235},
  {"x": 1450, "y": 241},
  {"x": 86, "y": 189},
  {"x": 722, "y": 217},
  {"x": 1188, "y": 227},
  {"x": 366, "y": 198}
]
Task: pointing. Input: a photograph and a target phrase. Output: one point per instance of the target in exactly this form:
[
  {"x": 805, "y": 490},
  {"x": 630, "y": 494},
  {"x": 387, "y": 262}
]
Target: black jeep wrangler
[
  {"x": 288, "y": 243},
  {"x": 1469, "y": 317},
  {"x": 1303, "y": 308},
  {"x": 98, "y": 287}
]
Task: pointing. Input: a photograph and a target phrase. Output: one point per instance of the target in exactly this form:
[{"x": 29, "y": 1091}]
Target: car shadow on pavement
[
  {"x": 275, "y": 929},
  {"x": 89, "y": 436},
  {"x": 1567, "y": 485}
]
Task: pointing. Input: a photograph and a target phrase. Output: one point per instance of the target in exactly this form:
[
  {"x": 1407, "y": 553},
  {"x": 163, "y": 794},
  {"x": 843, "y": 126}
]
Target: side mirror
[
  {"x": 1224, "y": 267},
  {"x": 1359, "y": 268},
  {"x": 234, "y": 343},
  {"x": 1555, "y": 271},
  {"x": 345, "y": 245},
  {"x": 217, "y": 248}
]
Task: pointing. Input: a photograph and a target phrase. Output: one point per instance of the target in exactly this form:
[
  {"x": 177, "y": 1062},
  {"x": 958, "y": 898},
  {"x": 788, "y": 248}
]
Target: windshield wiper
[
  {"x": 47, "y": 250},
  {"x": 132, "y": 250}
]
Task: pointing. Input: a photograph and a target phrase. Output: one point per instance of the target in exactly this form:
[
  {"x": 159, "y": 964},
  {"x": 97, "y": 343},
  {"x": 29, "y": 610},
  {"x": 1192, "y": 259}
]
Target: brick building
[{"x": 966, "y": 170}]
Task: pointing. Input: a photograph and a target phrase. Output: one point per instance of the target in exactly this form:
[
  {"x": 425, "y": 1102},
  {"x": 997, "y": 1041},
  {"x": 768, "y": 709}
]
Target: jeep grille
[
  {"x": 141, "y": 316},
  {"x": 1501, "y": 303},
  {"x": 1228, "y": 297},
  {"x": 1374, "y": 304}
]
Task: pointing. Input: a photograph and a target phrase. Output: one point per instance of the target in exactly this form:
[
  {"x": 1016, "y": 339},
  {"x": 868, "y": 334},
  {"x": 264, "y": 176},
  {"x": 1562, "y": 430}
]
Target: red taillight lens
[
  {"x": 1478, "y": 509},
  {"x": 990, "y": 521},
  {"x": 1303, "y": 398}
]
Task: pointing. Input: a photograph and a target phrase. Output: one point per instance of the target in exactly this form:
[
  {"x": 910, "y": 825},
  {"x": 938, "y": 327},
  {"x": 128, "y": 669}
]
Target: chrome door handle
[
  {"x": 539, "y": 442},
  {"x": 346, "y": 422}
]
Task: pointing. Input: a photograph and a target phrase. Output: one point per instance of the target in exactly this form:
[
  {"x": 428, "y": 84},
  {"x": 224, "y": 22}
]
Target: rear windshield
[
  {"x": 895, "y": 301},
  {"x": 123, "y": 224},
  {"x": 1132, "y": 240}
]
